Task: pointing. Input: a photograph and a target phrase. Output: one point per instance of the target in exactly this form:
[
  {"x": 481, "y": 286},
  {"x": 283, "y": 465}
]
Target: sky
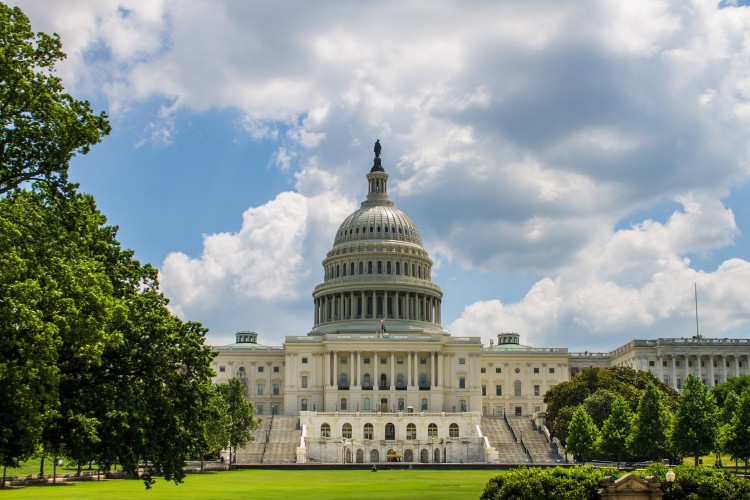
[{"x": 577, "y": 169}]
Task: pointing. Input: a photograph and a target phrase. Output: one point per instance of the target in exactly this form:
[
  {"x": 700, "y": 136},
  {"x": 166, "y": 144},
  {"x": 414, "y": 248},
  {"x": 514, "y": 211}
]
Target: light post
[{"x": 670, "y": 479}]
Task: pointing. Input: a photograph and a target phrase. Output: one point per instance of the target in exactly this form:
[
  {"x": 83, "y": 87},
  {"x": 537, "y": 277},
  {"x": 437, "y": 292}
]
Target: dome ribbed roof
[{"x": 377, "y": 222}]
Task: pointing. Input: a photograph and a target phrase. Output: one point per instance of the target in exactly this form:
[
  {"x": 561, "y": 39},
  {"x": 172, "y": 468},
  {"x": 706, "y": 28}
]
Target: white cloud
[{"x": 517, "y": 136}]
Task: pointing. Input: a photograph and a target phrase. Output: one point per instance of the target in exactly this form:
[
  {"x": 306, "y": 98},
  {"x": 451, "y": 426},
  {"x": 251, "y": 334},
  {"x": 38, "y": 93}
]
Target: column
[
  {"x": 724, "y": 367},
  {"x": 736, "y": 365},
  {"x": 660, "y": 368},
  {"x": 433, "y": 369},
  {"x": 409, "y": 382},
  {"x": 441, "y": 368},
  {"x": 711, "y": 370},
  {"x": 385, "y": 304},
  {"x": 317, "y": 311},
  {"x": 362, "y": 303},
  {"x": 393, "y": 381},
  {"x": 674, "y": 372},
  {"x": 397, "y": 308},
  {"x": 335, "y": 369},
  {"x": 359, "y": 369},
  {"x": 327, "y": 369}
]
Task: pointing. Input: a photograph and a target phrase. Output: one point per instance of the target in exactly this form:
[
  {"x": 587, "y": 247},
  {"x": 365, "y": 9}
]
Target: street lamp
[{"x": 670, "y": 478}]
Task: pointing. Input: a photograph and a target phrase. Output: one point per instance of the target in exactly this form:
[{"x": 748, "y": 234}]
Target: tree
[
  {"x": 650, "y": 426},
  {"x": 215, "y": 424},
  {"x": 562, "y": 423},
  {"x": 696, "y": 421},
  {"x": 41, "y": 127},
  {"x": 616, "y": 430},
  {"x": 736, "y": 434},
  {"x": 599, "y": 405},
  {"x": 583, "y": 436},
  {"x": 92, "y": 364},
  {"x": 240, "y": 416}
]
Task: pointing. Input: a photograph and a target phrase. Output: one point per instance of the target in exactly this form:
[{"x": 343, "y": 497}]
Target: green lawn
[{"x": 283, "y": 484}]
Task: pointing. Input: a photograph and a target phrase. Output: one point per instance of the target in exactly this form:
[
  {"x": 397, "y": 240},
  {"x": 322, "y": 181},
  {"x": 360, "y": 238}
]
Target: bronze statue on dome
[{"x": 377, "y": 148}]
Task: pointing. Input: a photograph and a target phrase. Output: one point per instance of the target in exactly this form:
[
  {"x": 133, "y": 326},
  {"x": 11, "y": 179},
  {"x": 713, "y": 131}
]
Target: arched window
[
  {"x": 423, "y": 380},
  {"x": 366, "y": 382},
  {"x": 424, "y": 456},
  {"x": 303, "y": 405},
  {"x": 408, "y": 456},
  {"x": 432, "y": 431},
  {"x": 411, "y": 431},
  {"x": 368, "y": 431},
  {"x": 453, "y": 431},
  {"x": 398, "y": 268},
  {"x": 338, "y": 270},
  {"x": 351, "y": 269},
  {"x": 343, "y": 381},
  {"x": 361, "y": 268},
  {"x": 346, "y": 431},
  {"x": 390, "y": 431},
  {"x": 325, "y": 430},
  {"x": 406, "y": 269},
  {"x": 517, "y": 388},
  {"x": 388, "y": 267},
  {"x": 343, "y": 270},
  {"x": 369, "y": 267},
  {"x": 383, "y": 381},
  {"x": 380, "y": 267}
]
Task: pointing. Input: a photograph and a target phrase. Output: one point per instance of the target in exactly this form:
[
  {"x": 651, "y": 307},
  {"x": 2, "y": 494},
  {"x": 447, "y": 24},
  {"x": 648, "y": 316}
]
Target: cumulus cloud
[{"x": 518, "y": 136}]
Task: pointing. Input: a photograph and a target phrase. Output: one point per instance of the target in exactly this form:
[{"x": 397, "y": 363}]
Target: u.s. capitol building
[{"x": 377, "y": 378}]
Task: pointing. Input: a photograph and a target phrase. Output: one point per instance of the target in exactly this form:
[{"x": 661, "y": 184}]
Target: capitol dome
[{"x": 377, "y": 270}]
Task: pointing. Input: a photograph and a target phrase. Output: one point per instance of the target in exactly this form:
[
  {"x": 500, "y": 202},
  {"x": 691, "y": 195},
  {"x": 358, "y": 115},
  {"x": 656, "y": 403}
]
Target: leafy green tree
[
  {"x": 562, "y": 423},
  {"x": 599, "y": 405},
  {"x": 41, "y": 127},
  {"x": 727, "y": 409},
  {"x": 616, "y": 430},
  {"x": 241, "y": 421},
  {"x": 92, "y": 358},
  {"x": 650, "y": 426},
  {"x": 696, "y": 422},
  {"x": 215, "y": 425},
  {"x": 583, "y": 435},
  {"x": 736, "y": 434},
  {"x": 731, "y": 384}
]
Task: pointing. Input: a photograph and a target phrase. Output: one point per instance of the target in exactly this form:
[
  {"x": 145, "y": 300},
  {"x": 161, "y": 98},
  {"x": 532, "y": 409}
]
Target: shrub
[{"x": 572, "y": 483}]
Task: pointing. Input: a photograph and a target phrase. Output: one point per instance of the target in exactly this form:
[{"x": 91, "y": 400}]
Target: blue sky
[{"x": 575, "y": 168}]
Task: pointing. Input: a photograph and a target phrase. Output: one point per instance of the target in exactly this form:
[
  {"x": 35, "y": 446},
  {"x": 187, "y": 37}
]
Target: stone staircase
[
  {"x": 502, "y": 439},
  {"x": 252, "y": 453},
  {"x": 283, "y": 439},
  {"x": 541, "y": 451}
]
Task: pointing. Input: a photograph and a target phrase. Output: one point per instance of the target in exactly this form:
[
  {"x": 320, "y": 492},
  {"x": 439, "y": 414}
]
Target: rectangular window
[
  {"x": 651, "y": 363},
  {"x": 276, "y": 369},
  {"x": 552, "y": 370},
  {"x": 461, "y": 361},
  {"x": 304, "y": 381},
  {"x": 399, "y": 361},
  {"x": 517, "y": 387},
  {"x": 498, "y": 370},
  {"x": 422, "y": 361},
  {"x": 383, "y": 361},
  {"x": 690, "y": 364},
  {"x": 276, "y": 389},
  {"x": 663, "y": 363},
  {"x": 677, "y": 364},
  {"x": 462, "y": 382},
  {"x": 260, "y": 369},
  {"x": 222, "y": 369},
  {"x": 260, "y": 409},
  {"x": 343, "y": 361},
  {"x": 483, "y": 370},
  {"x": 498, "y": 390},
  {"x": 424, "y": 404},
  {"x": 536, "y": 370},
  {"x": 367, "y": 360},
  {"x": 260, "y": 388},
  {"x": 536, "y": 390},
  {"x": 536, "y": 409},
  {"x": 304, "y": 361},
  {"x": 343, "y": 404},
  {"x": 484, "y": 390},
  {"x": 400, "y": 404},
  {"x": 367, "y": 408}
]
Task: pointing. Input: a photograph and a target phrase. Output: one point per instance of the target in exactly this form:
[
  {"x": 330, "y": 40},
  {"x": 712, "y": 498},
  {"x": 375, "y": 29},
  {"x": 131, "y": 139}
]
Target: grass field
[{"x": 270, "y": 484}]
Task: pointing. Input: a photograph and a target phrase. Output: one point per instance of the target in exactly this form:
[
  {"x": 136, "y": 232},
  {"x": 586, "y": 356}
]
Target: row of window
[
  {"x": 378, "y": 229},
  {"x": 517, "y": 386},
  {"x": 690, "y": 364},
  {"x": 261, "y": 369},
  {"x": 340, "y": 270},
  {"x": 518, "y": 370},
  {"x": 368, "y": 431}
]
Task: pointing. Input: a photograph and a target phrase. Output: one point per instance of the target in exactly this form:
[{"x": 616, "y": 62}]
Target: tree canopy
[
  {"x": 696, "y": 421},
  {"x": 41, "y": 127}
]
